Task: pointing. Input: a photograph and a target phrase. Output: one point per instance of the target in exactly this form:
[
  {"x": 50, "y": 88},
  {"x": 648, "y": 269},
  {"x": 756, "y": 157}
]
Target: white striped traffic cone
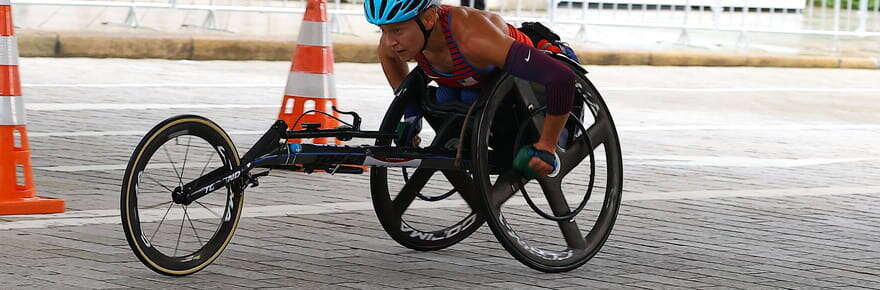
[
  {"x": 310, "y": 84},
  {"x": 16, "y": 181}
]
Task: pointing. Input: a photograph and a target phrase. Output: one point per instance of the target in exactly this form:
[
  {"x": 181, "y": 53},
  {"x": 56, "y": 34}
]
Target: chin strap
[{"x": 426, "y": 32}]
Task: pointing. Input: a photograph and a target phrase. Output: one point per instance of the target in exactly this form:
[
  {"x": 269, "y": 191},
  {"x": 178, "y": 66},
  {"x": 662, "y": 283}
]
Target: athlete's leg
[
  {"x": 468, "y": 96},
  {"x": 447, "y": 94}
]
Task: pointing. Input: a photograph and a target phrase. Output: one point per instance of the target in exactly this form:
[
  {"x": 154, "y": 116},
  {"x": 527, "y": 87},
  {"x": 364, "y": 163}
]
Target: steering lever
[{"x": 357, "y": 118}]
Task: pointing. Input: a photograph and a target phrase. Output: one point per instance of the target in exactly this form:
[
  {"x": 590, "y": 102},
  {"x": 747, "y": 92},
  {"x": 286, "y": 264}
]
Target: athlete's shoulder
[
  {"x": 469, "y": 14},
  {"x": 477, "y": 33},
  {"x": 457, "y": 11},
  {"x": 466, "y": 20}
]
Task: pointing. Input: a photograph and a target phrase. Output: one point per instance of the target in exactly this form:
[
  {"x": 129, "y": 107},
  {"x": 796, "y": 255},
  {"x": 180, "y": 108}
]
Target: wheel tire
[
  {"x": 545, "y": 260},
  {"x": 143, "y": 247},
  {"x": 390, "y": 217}
]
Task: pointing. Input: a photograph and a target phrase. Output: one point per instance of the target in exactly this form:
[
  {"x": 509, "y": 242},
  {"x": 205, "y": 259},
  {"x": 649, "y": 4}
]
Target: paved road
[{"x": 734, "y": 178}]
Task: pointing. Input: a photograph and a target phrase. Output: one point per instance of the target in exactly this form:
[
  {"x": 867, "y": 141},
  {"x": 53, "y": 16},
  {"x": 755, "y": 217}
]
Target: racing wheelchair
[{"x": 472, "y": 150}]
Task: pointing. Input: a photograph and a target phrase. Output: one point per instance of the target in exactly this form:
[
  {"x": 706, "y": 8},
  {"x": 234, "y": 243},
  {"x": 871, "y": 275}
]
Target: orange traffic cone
[
  {"x": 310, "y": 84},
  {"x": 16, "y": 181}
]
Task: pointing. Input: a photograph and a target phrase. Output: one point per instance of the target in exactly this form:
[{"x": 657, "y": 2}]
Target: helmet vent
[
  {"x": 382, "y": 10},
  {"x": 395, "y": 8},
  {"x": 369, "y": 9},
  {"x": 412, "y": 5}
]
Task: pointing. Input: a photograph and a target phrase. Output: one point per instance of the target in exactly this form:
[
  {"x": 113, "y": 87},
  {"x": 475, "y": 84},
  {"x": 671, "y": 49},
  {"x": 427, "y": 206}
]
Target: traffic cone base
[
  {"x": 16, "y": 180},
  {"x": 31, "y": 205}
]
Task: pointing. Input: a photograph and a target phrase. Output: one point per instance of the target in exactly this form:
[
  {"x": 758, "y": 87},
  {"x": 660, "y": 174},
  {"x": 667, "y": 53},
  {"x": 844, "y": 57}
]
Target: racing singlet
[{"x": 464, "y": 75}]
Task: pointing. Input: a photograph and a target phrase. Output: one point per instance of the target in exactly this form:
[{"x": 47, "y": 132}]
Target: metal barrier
[
  {"x": 211, "y": 7},
  {"x": 742, "y": 16},
  {"x": 131, "y": 19},
  {"x": 747, "y": 16}
]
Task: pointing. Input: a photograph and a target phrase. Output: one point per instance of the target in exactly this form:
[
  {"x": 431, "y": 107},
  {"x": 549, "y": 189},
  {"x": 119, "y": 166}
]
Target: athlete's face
[{"x": 404, "y": 38}]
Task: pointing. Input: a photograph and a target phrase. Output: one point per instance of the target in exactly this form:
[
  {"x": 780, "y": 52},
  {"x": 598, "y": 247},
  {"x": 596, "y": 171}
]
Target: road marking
[
  {"x": 385, "y": 87},
  {"x": 779, "y": 127},
  {"x": 78, "y": 168},
  {"x": 733, "y": 161},
  {"x": 133, "y": 106},
  {"x": 119, "y": 133},
  {"x": 101, "y": 167},
  {"x": 190, "y": 85},
  {"x": 95, "y": 217},
  {"x": 661, "y": 160},
  {"x": 705, "y": 194},
  {"x": 142, "y": 85},
  {"x": 744, "y": 90}
]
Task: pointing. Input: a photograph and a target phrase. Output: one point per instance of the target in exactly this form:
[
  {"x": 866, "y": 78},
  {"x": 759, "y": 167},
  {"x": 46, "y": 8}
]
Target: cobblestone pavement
[{"x": 734, "y": 178}]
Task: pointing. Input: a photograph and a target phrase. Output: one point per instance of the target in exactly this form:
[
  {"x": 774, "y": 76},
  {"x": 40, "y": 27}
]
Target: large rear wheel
[
  {"x": 563, "y": 220},
  {"x": 422, "y": 209}
]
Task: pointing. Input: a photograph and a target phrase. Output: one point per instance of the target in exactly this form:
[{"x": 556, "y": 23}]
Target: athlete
[{"x": 456, "y": 47}]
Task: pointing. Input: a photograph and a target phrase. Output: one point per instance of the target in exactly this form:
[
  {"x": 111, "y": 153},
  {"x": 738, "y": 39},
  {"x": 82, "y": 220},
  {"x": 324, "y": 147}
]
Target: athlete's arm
[
  {"x": 483, "y": 40},
  {"x": 394, "y": 68}
]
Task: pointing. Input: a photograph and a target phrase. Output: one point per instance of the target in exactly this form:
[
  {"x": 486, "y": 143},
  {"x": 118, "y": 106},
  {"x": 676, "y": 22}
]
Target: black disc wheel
[
  {"x": 173, "y": 238},
  {"x": 420, "y": 208},
  {"x": 562, "y": 220}
]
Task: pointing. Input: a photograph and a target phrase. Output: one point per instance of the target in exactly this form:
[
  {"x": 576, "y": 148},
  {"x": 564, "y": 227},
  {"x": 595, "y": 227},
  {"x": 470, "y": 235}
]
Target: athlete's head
[{"x": 404, "y": 23}]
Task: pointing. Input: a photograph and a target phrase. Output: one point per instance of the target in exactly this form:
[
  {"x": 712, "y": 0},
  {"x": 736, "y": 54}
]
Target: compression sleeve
[{"x": 531, "y": 64}]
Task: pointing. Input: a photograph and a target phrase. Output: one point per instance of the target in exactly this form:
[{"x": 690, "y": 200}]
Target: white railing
[
  {"x": 210, "y": 7},
  {"x": 720, "y": 16},
  {"x": 740, "y": 16}
]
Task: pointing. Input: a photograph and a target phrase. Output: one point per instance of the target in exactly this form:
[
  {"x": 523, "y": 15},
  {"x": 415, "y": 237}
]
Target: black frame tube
[{"x": 272, "y": 151}]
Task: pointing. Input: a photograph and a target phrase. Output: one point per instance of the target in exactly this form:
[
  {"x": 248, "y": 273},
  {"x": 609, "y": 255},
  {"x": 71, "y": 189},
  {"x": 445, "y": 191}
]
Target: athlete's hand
[
  {"x": 535, "y": 161},
  {"x": 543, "y": 168}
]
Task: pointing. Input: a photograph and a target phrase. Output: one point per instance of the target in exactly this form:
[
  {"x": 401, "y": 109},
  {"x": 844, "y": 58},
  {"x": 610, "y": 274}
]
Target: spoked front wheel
[
  {"x": 169, "y": 237},
  {"x": 567, "y": 217}
]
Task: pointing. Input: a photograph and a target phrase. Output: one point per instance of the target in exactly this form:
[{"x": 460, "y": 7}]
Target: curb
[
  {"x": 49, "y": 44},
  {"x": 596, "y": 57}
]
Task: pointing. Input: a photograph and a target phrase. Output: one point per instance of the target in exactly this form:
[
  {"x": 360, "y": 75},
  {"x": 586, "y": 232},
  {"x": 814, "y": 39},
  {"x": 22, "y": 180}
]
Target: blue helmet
[{"x": 380, "y": 12}]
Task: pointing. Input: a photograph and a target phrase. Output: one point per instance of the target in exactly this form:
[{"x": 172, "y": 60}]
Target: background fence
[{"x": 681, "y": 18}]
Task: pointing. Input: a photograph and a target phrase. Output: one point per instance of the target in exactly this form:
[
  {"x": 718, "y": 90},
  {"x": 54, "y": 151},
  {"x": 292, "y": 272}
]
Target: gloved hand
[
  {"x": 408, "y": 132},
  {"x": 525, "y": 154}
]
